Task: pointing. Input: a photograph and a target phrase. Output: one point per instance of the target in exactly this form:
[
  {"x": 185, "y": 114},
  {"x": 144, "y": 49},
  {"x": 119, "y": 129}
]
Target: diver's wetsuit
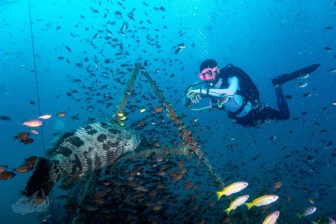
[
  {"x": 259, "y": 112},
  {"x": 262, "y": 113}
]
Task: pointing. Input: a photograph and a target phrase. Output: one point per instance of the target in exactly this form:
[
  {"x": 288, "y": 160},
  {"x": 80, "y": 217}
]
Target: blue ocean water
[{"x": 84, "y": 52}]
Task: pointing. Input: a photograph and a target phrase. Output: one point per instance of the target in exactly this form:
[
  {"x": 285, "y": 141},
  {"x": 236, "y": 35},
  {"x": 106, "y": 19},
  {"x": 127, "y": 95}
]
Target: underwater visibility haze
[{"x": 95, "y": 127}]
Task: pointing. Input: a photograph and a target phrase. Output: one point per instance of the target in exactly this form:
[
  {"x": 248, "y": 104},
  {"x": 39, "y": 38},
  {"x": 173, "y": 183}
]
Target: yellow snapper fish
[
  {"x": 236, "y": 203},
  {"x": 271, "y": 218},
  {"x": 308, "y": 211},
  {"x": 231, "y": 189},
  {"x": 263, "y": 200}
]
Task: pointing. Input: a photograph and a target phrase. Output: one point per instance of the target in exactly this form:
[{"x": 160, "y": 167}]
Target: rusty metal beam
[{"x": 127, "y": 93}]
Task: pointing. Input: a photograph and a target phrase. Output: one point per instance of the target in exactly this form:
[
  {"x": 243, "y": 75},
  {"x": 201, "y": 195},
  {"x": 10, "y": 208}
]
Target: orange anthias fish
[
  {"x": 27, "y": 166},
  {"x": 24, "y": 138},
  {"x": 22, "y": 135},
  {"x": 276, "y": 186},
  {"x": 23, "y": 169},
  {"x": 45, "y": 116},
  {"x": 31, "y": 160},
  {"x": 61, "y": 114},
  {"x": 34, "y": 123},
  {"x": 158, "y": 109},
  {"x": 3, "y": 168},
  {"x": 35, "y": 132},
  {"x": 5, "y": 175},
  {"x": 27, "y": 141}
]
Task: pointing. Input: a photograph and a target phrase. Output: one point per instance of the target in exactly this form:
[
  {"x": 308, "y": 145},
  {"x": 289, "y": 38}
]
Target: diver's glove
[{"x": 194, "y": 95}]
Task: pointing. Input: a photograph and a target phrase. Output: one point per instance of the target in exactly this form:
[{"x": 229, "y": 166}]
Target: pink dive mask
[{"x": 208, "y": 74}]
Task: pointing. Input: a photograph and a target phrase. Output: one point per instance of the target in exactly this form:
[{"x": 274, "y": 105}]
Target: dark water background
[{"x": 264, "y": 38}]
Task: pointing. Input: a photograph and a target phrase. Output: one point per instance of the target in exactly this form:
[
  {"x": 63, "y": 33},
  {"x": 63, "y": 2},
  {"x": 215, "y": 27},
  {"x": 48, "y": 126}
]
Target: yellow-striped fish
[
  {"x": 271, "y": 218},
  {"x": 231, "y": 189},
  {"x": 142, "y": 110},
  {"x": 263, "y": 200},
  {"x": 236, "y": 203}
]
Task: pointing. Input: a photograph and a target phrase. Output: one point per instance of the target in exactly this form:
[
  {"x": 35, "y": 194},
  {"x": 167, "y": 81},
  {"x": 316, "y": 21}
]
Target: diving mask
[{"x": 208, "y": 74}]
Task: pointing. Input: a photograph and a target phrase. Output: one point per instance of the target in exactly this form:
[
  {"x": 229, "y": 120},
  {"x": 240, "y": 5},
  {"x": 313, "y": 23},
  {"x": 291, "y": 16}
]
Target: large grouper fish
[{"x": 75, "y": 154}]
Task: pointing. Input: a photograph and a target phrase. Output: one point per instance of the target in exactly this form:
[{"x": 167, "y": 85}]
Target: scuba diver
[{"x": 232, "y": 90}]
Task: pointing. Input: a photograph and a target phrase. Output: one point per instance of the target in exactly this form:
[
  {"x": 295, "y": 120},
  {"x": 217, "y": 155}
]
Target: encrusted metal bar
[{"x": 128, "y": 90}]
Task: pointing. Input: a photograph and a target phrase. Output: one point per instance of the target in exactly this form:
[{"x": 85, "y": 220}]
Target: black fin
[
  {"x": 41, "y": 178},
  {"x": 281, "y": 79}
]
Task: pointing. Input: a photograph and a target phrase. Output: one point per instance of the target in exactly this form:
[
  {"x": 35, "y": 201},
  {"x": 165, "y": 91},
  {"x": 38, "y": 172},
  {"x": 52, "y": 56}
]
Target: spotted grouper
[{"x": 77, "y": 153}]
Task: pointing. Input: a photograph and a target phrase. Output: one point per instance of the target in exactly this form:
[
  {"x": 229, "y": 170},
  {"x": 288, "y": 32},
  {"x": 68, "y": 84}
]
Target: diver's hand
[{"x": 194, "y": 96}]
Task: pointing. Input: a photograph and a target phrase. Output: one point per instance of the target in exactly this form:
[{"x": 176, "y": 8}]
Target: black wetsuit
[
  {"x": 259, "y": 112},
  {"x": 262, "y": 112}
]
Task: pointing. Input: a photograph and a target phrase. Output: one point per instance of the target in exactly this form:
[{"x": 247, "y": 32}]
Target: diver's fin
[
  {"x": 281, "y": 79},
  {"x": 42, "y": 178}
]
